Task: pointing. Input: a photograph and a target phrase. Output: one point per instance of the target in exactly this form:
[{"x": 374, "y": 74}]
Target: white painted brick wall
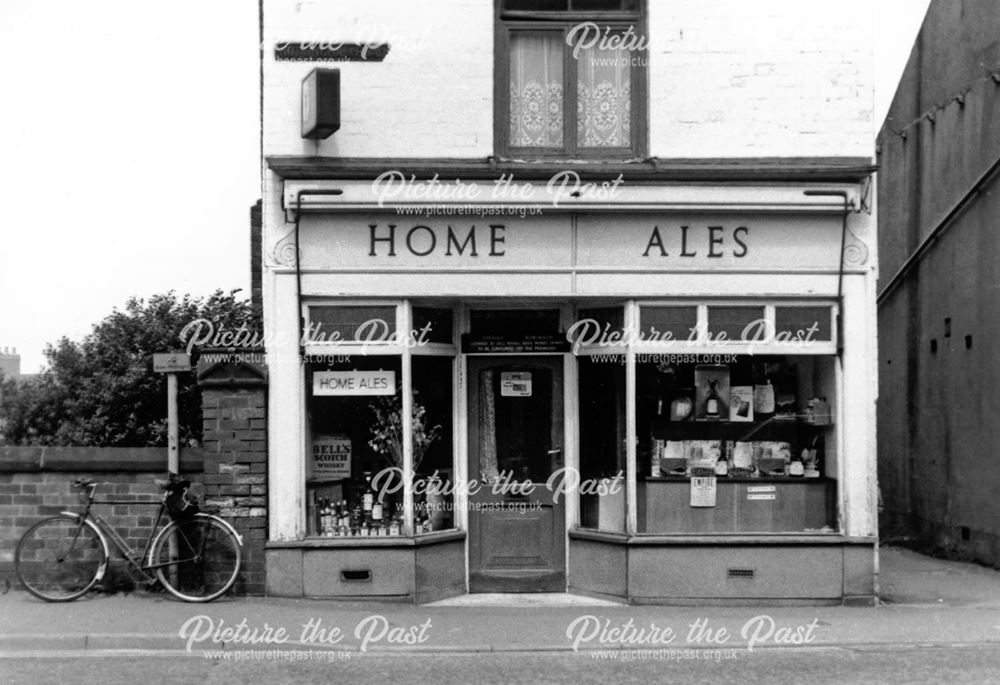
[
  {"x": 431, "y": 97},
  {"x": 728, "y": 78},
  {"x": 764, "y": 78}
]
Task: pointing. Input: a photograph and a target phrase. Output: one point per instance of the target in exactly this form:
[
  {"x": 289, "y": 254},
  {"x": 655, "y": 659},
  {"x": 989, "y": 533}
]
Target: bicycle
[{"x": 195, "y": 556}]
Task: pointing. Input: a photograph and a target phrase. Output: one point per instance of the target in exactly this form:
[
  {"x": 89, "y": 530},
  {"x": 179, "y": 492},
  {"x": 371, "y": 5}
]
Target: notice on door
[
  {"x": 703, "y": 491},
  {"x": 515, "y": 384},
  {"x": 354, "y": 383}
]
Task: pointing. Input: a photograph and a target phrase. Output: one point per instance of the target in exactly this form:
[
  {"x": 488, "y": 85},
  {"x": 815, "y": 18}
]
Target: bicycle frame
[{"x": 106, "y": 531}]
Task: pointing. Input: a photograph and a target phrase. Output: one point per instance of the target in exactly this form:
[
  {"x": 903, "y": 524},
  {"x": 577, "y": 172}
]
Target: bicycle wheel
[
  {"x": 197, "y": 559},
  {"x": 60, "y": 558}
]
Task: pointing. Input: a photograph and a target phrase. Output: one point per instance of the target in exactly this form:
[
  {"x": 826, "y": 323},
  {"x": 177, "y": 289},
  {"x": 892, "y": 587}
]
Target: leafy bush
[{"x": 103, "y": 391}]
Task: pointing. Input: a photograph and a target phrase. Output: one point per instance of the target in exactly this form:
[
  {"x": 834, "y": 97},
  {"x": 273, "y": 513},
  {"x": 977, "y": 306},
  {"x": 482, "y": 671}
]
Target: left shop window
[
  {"x": 433, "y": 472},
  {"x": 351, "y": 324},
  {"x": 344, "y": 454}
]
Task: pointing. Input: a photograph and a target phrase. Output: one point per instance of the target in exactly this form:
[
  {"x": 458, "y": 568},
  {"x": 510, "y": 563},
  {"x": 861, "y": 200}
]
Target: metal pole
[{"x": 173, "y": 431}]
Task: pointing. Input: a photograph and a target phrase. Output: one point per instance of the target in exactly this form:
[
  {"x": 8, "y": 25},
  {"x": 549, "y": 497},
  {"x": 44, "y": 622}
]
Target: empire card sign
[{"x": 354, "y": 383}]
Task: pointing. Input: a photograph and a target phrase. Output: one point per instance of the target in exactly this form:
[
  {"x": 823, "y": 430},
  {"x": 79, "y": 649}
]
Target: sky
[{"x": 129, "y": 153}]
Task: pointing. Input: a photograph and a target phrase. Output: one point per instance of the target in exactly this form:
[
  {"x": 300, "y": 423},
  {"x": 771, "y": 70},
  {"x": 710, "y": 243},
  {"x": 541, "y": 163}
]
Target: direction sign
[{"x": 171, "y": 362}]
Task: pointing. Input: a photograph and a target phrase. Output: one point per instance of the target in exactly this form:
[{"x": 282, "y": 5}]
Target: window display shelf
[{"x": 739, "y": 479}]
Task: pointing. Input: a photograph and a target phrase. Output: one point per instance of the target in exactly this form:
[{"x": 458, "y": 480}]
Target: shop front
[{"x": 664, "y": 394}]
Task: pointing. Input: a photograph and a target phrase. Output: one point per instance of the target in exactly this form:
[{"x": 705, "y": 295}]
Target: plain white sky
[{"x": 129, "y": 153}]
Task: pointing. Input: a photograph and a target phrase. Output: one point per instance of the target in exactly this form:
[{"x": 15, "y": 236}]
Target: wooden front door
[{"x": 517, "y": 533}]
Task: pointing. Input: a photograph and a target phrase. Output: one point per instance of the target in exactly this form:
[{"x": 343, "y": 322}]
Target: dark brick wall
[
  {"x": 235, "y": 465},
  {"x": 35, "y": 483}
]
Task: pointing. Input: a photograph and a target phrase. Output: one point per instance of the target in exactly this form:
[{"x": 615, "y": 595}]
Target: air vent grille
[{"x": 741, "y": 573}]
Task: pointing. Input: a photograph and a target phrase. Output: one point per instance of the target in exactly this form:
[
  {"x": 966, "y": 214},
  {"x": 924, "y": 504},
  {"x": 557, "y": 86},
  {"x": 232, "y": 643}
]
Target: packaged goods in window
[
  {"x": 771, "y": 458},
  {"x": 818, "y": 412},
  {"x": 742, "y": 458},
  {"x": 810, "y": 462},
  {"x": 711, "y": 393},
  {"x": 741, "y": 403},
  {"x": 763, "y": 398},
  {"x": 702, "y": 456},
  {"x": 673, "y": 461},
  {"x": 656, "y": 453},
  {"x": 680, "y": 406}
]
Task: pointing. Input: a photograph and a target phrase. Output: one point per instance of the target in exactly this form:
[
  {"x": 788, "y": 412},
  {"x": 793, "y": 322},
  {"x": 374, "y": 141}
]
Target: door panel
[{"x": 516, "y": 532}]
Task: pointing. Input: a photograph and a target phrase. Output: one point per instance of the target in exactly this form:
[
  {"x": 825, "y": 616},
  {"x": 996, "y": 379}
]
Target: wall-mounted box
[{"x": 321, "y": 103}]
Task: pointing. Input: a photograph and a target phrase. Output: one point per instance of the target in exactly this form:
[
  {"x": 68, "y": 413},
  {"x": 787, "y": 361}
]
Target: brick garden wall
[
  {"x": 232, "y": 465},
  {"x": 35, "y": 483}
]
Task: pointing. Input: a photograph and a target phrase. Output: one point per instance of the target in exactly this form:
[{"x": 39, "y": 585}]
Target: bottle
[
  {"x": 796, "y": 467},
  {"x": 327, "y": 518},
  {"x": 356, "y": 521},
  {"x": 424, "y": 525},
  {"x": 722, "y": 467},
  {"x": 763, "y": 397},
  {"x": 368, "y": 498},
  {"x": 396, "y": 525},
  {"x": 712, "y": 402},
  {"x": 377, "y": 512},
  {"x": 344, "y": 520}
]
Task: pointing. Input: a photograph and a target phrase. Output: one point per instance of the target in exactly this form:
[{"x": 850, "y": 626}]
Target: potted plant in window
[
  {"x": 387, "y": 430},
  {"x": 387, "y": 440}
]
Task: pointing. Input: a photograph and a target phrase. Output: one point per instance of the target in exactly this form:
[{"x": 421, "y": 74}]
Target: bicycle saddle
[{"x": 172, "y": 482}]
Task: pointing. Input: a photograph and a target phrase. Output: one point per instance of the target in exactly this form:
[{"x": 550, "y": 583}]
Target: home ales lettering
[
  {"x": 712, "y": 241},
  {"x": 421, "y": 241}
]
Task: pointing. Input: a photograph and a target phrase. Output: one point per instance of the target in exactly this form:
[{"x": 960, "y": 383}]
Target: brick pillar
[{"x": 234, "y": 412}]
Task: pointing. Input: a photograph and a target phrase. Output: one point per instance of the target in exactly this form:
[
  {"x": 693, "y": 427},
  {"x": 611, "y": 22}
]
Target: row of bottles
[
  {"x": 371, "y": 517},
  {"x": 336, "y": 519}
]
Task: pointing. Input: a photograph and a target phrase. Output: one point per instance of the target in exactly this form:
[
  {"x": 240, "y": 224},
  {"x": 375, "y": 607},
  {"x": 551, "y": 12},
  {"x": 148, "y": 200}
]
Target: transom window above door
[{"x": 571, "y": 79}]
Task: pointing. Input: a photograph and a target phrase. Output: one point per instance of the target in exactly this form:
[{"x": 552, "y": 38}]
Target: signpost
[{"x": 171, "y": 364}]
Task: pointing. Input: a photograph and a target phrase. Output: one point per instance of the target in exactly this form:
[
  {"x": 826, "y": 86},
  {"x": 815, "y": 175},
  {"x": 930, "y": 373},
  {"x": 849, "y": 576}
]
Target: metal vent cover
[{"x": 741, "y": 573}]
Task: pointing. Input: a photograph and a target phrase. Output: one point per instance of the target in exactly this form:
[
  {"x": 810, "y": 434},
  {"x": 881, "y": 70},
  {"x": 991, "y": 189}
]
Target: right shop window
[{"x": 737, "y": 443}]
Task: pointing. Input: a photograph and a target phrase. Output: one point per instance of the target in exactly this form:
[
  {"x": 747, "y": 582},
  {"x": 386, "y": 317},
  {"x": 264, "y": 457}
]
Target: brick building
[
  {"x": 938, "y": 306},
  {"x": 588, "y": 299}
]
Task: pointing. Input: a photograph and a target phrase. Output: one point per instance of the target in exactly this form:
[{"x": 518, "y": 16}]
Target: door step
[{"x": 522, "y": 599}]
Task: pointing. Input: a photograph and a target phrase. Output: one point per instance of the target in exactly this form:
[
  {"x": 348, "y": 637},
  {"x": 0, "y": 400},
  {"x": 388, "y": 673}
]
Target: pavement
[{"x": 924, "y": 602}]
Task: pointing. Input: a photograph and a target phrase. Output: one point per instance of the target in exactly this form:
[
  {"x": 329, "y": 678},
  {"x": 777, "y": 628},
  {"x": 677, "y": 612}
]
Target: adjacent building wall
[{"x": 939, "y": 435}]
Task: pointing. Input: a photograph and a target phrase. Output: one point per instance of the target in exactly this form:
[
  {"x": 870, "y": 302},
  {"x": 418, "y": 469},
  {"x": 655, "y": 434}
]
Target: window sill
[
  {"x": 355, "y": 542},
  {"x": 754, "y": 539}
]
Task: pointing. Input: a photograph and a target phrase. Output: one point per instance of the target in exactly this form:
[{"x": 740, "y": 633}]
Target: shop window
[
  {"x": 743, "y": 446},
  {"x": 433, "y": 325},
  {"x": 743, "y": 324},
  {"x": 351, "y": 488},
  {"x": 667, "y": 323},
  {"x": 571, "y": 79},
  {"x": 803, "y": 323},
  {"x": 609, "y": 319},
  {"x": 361, "y": 324},
  {"x": 602, "y": 443},
  {"x": 433, "y": 449}
]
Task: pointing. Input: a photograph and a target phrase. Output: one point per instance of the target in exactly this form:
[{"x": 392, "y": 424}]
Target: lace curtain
[
  {"x": 604, "y": 98},
  {"x": 536, "y": 90},
  {"x": 488, "y": 467},
  {"x": 603, "y": 93}
]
